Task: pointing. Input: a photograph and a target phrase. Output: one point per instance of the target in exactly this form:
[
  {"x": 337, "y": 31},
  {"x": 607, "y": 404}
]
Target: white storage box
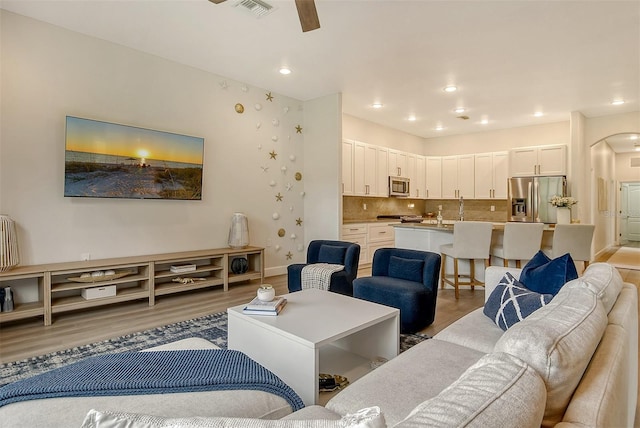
[{"x": 98, "y": 292}]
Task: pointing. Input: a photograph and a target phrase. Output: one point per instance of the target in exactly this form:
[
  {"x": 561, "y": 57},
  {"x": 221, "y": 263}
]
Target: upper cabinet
[
  {"x": 540, "y": 160},
  {"x": 369, "y": 170},
  {"x": 458, "y": 176},
  {"x": 347, "y": 167},
  {"x": 433, "y": 178},
  {"x": 491, "y": 175},
  {"x": 398, "y": 163}
]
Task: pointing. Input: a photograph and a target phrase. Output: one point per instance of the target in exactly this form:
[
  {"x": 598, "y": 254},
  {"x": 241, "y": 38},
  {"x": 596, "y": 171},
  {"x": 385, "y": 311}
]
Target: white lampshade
[
  {"x": 9, "y": 257},
  {"x": 239, "y": 231}
]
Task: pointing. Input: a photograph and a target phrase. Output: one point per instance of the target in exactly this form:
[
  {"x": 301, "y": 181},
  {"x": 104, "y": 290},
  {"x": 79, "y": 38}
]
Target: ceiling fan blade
[
  {"x": 308, "y": 15},
  {"x": 217, "y": 1}
]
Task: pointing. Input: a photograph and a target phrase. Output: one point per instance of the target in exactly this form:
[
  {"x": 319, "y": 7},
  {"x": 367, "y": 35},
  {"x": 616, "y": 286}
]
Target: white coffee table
[{"x": 317, "y": 332}]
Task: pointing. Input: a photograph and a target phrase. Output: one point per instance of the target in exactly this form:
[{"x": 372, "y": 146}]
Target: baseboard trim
[{"x": 275, "y": 271}]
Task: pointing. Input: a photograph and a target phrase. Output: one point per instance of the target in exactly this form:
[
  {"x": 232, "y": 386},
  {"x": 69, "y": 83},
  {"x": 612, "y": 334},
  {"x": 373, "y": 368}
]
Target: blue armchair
[
  {"x": 406, "y": 280},
  {"x": 334, "y": 252}
]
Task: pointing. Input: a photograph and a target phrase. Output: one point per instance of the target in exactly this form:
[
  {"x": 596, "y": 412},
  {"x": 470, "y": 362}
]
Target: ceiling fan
[{"x": 306, "y": 12}]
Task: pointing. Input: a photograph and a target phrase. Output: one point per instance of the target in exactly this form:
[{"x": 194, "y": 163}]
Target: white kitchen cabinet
[
  {"x": 458, "y": 176},
  {"x": 397, "y": 163},
  {"x": 357, "y": 233},
  {"x": 539, "y": 160},
  {"x": 382, "y": 172},
  {"x": 364, "y": 169},
  {"x": 347, "y": 167},
  {"x": 491, "y": 173},
  {"x": 418, "y": 190},
  {"x": 433, "y": 177}
]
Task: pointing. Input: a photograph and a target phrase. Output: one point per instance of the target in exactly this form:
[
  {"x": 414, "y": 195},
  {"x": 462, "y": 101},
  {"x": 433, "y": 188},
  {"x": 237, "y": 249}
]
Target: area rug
[
  {"x": 626, "y": 258},
  {"x": 211, "y": 327}
]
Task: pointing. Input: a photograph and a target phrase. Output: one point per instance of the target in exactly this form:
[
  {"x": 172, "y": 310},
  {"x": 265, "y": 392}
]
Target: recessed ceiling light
[
  {"x": 376, "y": 105},
  {"x": 285, "y": 70},
  {"x": 484, "y": 121},
  {"x": 450, "y": 88},
  {"x": 538, "y": 114},
  {"x": 633, "y": 137},
  {"x": 459, "y": 110},
  {"x": 617, "y": 102},
  {"x": 411, "y": 118},
  {"x": 439, "y": 128},
  {"x": 637, "y": 148}
]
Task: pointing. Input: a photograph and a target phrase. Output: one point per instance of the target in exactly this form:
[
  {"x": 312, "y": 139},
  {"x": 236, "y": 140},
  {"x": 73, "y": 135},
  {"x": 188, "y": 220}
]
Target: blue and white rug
[{"x": 210, "y": 327}]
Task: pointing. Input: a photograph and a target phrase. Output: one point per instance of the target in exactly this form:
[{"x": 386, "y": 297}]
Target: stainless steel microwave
[{"x": 398, "y": 186}]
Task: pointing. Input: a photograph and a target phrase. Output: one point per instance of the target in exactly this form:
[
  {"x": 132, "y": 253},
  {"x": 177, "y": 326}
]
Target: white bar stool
[
  {"x": 471, "y": 241},
  {"x": 574, "y": 239},
  {"x": 520, "y": 241}
]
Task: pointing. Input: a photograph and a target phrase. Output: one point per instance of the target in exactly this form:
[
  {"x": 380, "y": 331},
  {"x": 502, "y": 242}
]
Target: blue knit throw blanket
[{"x": 156, "y": 372}]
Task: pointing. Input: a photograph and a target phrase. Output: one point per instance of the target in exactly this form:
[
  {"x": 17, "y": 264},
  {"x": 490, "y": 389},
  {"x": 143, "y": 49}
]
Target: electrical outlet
[
  {"x": 364, "y": 207},
  {"x": 85, "y": 256},
  {"x": 440, "y": 207},
  {"x": 493, "y": 208}
]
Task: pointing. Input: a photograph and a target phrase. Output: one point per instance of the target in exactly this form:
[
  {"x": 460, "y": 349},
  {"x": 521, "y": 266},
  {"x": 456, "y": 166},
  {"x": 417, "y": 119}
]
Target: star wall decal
[
  {"x": 289, "y": 186},
  {"x": 289, "y": 255},
  {"x": 273, "y": 154},
  {"x": 298, "y": 129},
  {"x": 279, "y": 197},
  {"x": 264, "y": 168},
  {"x": 298, "y": 221},
  {"x": 269, "y": 97},
  {"x": 224, "y": 84}
]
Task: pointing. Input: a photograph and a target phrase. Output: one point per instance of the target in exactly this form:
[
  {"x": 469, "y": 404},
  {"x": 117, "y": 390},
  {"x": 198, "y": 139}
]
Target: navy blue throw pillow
[
  {"x": 409, "y": 269},
  {"x": 546, "y": 276},
  {"x": 332, "y": 254},
  {"x": 511, "y": 302}
]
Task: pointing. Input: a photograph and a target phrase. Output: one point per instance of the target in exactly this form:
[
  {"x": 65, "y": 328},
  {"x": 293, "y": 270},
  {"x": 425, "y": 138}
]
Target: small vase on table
[{"x": 564, "y": 215}]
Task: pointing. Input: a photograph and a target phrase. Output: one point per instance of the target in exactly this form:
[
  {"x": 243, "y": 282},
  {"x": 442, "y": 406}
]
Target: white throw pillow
[{"x": 370, "y": 417}]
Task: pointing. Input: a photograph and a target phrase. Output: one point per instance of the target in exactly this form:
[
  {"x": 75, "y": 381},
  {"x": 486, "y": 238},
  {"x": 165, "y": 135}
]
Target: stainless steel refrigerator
[{"x": 529, "y": 198}]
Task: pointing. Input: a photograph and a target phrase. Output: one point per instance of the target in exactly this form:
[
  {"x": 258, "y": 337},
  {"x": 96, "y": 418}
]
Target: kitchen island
[{"x": 429, "y": 237}]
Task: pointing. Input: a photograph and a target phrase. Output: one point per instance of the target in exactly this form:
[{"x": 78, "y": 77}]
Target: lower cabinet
[
  {"x": 61, "y": 287},
  {"x": 370, "y": 236}
]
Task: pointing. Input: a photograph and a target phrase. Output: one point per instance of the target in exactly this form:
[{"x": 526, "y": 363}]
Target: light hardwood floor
[{"x": 28, "y": 338}]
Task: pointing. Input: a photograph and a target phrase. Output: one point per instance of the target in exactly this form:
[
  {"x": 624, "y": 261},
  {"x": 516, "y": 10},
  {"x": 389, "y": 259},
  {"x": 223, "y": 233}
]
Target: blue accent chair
[
  {"x": 334, "y": 252},
  {"x": 406, "y": 280}
]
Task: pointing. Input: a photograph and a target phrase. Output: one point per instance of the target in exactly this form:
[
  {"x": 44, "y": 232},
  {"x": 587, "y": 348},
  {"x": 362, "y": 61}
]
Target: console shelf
[{"x": 60, "y": 286}]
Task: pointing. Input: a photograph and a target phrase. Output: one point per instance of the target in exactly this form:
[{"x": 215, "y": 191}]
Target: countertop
[{"x": 448, "y": 227}]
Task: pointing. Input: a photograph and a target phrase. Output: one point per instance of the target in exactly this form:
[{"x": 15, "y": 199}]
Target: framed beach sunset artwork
[{"x": 109, "y": 160}]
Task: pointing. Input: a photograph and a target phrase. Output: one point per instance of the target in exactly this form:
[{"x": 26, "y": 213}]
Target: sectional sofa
[{"x": 571, "y": 363}]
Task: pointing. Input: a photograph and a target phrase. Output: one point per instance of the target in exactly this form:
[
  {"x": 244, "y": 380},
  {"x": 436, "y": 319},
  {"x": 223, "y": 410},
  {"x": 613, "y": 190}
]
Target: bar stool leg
[
  {"x": 455, "y": 277},
  {"x": 472, "y": 273},
  {"x": 443, "y": 271},
  {"x": 506, "y": 263}
]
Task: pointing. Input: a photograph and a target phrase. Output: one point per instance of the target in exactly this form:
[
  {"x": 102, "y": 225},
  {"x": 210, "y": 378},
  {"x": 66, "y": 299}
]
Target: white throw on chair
[
  {"x": 471, "y": 241},
  {"x": 520, "y": 241},
  {"x": 574, "y": 239}
]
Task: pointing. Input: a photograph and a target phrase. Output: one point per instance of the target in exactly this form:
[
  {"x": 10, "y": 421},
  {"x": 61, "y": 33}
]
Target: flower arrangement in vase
[
  {"x": 563, "y": 201},
  {"x": 564, "y": 204}
]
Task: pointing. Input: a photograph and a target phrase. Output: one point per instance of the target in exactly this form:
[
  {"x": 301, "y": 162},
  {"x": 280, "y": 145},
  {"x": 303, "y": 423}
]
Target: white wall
[
  {"x": 603, "y": 167},
  {"x": 49, "y": 72},
  {"x": 499, "y": 140},
  {"x": 354, "y": 128},
  {"x": 624, "y": 171},
  {"x": 323, "y": 172}
]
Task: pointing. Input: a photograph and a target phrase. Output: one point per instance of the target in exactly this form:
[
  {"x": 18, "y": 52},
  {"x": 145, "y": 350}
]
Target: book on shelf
[
  {"x": 272, "y": 310},
  {"x": 182, "y": 268}
]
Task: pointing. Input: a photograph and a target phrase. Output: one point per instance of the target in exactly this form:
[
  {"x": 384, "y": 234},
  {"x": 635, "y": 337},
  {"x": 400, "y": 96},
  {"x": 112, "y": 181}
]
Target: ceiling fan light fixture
[{"x": 258, "y": 8}]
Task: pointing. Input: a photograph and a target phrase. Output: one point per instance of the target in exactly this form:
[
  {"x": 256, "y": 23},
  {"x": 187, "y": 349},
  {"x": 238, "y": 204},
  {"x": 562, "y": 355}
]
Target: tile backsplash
[{"x": 353, "y": 208}]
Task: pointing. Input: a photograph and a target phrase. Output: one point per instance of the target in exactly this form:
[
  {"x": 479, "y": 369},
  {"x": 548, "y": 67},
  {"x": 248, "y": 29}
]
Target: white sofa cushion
[
  {"x": 407, "y": 380},
  {"x": 365, "y": 418},
  {"x": 558, "y": 341},
  {"x": 474, "y": 330},
  {"x": 499, "y": 390},
  {"x": 604, "y": 280}
]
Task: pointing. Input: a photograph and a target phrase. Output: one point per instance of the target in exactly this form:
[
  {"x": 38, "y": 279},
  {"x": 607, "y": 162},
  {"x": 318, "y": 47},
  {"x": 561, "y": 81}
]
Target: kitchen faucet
[{"x": 461, "y": 209}]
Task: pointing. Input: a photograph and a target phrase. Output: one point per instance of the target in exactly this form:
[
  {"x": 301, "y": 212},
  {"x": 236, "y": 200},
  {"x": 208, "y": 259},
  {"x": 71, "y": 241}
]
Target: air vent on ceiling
[
  {"x": 635, "y": 162},
  {"x": 256, "y": 7}
]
